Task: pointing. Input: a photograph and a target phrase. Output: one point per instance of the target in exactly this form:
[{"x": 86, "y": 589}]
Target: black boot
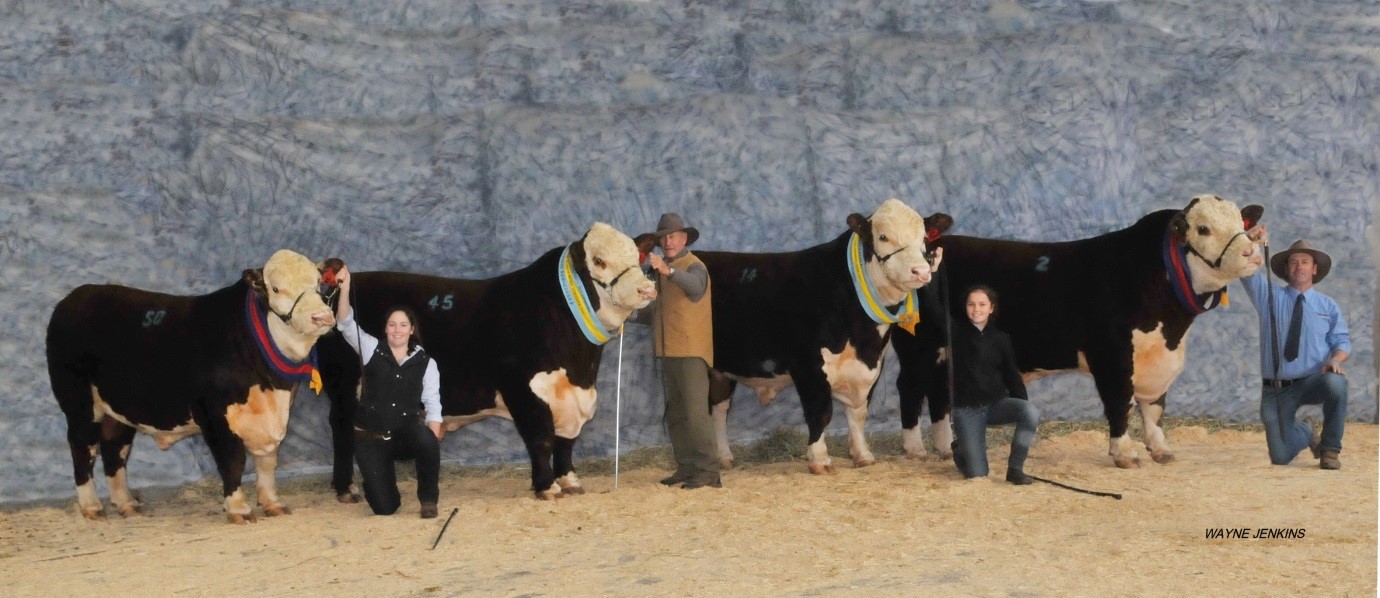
[{"x": 1018, "y": 477}]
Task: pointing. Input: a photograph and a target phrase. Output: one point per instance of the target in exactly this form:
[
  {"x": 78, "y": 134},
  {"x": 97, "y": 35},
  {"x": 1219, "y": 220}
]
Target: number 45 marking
[{"x": 442, "y": 303}]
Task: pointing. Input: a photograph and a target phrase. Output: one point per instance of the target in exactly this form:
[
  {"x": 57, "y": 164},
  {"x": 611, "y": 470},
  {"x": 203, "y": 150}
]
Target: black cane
[
  {"x": 452, "y": 516},
  {"x": 1068, "y": 487}
]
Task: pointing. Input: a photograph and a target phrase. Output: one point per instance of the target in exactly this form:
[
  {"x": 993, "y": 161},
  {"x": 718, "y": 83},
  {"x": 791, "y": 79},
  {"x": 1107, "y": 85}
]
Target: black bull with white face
[
  {"x": 505, "y": 347},
  {"x": 796, "y": 318},
  {"x": 1117, "y": 307}
]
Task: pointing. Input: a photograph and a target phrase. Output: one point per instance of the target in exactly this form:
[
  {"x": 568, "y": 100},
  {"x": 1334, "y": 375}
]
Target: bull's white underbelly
[
  {"x": 164, "y": 438},
  {"x": 849, "y": 378}
]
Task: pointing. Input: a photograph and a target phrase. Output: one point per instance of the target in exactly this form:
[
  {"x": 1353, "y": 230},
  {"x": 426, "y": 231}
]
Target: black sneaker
[{"x": 1018, "y": 477}]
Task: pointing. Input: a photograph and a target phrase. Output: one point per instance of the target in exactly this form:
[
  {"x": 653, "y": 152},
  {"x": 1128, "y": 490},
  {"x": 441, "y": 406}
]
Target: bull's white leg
[
  {"x": 1123, "y": 452},
  {"x": 943, "y": 433},
  {"x": 818, "y": 454},
  {"x": 266, "y": 467},
  {"x": 1155, "y": 441},
  {"x": 237, "y": 510},
  {"x": 119, "y": 488},
  {"x": 87, "y": 500},
  {"x": 857, "y": 437},
  {"x": 720, "y": 412},
  {"x": 552, "y": 493},
  {"x": 570, "y": 484},
  {"x": 914, "y": 442}
]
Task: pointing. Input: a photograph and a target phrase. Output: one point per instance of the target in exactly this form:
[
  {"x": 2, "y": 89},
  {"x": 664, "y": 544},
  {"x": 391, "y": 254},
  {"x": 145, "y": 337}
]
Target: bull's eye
[
  {"x": 598, "y": 262},
  {"x": 882, "y": 238},
  {"x": 275, "y": 289},
  {"x": 1202, "y": 230}
]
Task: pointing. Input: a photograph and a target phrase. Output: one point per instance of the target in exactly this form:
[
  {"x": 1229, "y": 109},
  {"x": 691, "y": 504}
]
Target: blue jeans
[
  {"x": 1284, "y": 435},
  {"x": 970, "y": 434}
]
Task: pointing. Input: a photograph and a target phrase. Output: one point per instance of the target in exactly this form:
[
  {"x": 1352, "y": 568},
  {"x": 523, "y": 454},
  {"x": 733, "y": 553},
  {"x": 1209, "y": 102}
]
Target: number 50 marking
[{"x": 154, "y": 317}]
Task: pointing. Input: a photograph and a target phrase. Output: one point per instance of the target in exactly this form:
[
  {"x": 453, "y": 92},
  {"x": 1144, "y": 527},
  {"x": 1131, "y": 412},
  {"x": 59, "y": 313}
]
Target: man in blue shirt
[{"x": 1302, "y": 352}]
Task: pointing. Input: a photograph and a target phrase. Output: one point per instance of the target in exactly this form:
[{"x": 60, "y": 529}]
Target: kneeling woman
[
  {"x": 988, "y": 391},
  {"x": 397, "y": 379}
]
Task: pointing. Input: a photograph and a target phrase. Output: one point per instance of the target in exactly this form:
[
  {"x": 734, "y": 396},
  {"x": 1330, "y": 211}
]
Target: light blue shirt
[
  {"x": 1323, "y": 332},
  {"x": 431, "y": 379}
]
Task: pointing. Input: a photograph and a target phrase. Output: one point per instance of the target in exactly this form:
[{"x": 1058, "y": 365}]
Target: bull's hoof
[
  {"x": 239, "y": 519},
  {"x": 726, "y": 463},
  {"x": 1126, "y": 462},
  {"x": 94, "y": 515},
  {"x": 131, "y": 511},
  {"x": 348, "y": 498},
  {"x": 1162, "y": 458},
  {"x": 573, "y": 490},
  {"x": 821, "y": 469},
  {"x": 918, "y": 456},
  {"x": 864, "y": 462},
  {"x": 549, "y": 495},
  {"x": 276, "y": 510}
]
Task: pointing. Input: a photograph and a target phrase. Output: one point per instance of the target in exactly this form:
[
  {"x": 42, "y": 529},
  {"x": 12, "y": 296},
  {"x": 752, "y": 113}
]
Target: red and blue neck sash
[
  {"x": 282, "y": 365},
  {"x": 1175, "y": 255}
]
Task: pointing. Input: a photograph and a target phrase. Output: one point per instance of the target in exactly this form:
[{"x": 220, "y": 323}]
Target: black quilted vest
[{"x": 392, "y": 396}]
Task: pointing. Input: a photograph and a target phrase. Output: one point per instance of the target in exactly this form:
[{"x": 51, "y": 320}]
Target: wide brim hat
[
  {"x": 671, "y": 222},
  {"x": 1279, "y": 263}
]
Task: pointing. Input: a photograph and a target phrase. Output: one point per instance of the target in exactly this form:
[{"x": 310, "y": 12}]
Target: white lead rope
[{"x": 618, "y": 409}]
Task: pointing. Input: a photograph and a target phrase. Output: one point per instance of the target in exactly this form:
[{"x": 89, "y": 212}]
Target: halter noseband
[{"x": 1215, "y": 264}]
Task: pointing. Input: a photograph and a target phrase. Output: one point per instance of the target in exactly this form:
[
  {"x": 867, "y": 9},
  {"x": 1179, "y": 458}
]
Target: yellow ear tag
[
  {"x": 908, "y": 321},
  {"x": 315, "y": 383},
  {"x": 1226, "y": 300}
]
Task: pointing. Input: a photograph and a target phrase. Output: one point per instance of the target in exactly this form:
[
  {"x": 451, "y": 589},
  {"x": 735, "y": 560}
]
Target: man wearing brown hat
[
  {"x": 683, "y": 335},
  {"x": 1303, "y": 347}
]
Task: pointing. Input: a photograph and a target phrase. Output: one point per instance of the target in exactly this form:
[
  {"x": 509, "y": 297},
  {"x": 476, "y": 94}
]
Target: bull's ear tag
[
  {"x": 315, "y": 383},
  {"x": 907, "y": 321}
]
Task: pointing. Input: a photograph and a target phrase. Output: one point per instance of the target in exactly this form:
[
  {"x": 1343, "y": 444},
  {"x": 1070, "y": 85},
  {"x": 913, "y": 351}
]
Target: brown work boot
[
  {"x": 428, "y": 510},
  {"x": 1329, "y": 460},
  {"x": 676, "y": 478}
]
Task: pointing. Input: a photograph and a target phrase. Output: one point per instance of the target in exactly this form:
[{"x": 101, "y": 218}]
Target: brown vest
[{"x": 683, "y": 328}]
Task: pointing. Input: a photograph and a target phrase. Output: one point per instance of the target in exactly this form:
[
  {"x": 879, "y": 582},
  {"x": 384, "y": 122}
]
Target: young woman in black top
[
  {"x": 399, "y": 377},
  {"x": 988, "y": 391}
]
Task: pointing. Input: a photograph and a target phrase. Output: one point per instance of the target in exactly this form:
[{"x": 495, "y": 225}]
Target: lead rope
[
  {"x": 949, "y": 344},
  {"x": 618, "y": 409}
]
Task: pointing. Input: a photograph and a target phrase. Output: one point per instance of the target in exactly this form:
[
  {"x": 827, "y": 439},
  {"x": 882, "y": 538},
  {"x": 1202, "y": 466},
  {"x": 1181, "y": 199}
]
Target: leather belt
[
  {"x": 367, "y": 435},
  {"x": 1279, "y": 383}
]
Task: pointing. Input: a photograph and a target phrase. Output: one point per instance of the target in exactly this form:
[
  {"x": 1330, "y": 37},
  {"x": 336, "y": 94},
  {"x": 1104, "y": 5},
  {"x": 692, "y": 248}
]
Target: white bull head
[
  {"x": 894, "y": 245},
  {"x": 1214, "y": 231},
  {"x": 610, "y": 259},
  {"x": 291, "y": 285}
]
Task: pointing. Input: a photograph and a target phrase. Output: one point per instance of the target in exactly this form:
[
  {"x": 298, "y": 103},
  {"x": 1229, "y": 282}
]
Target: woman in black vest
[
  {"x": 988, "y": 391},
  {"x": 400, "y": 380}
]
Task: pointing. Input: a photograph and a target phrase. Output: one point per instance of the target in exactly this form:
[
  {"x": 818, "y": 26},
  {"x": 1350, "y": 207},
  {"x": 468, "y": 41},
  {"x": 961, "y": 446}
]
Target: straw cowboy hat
[
  {"x": 1279, "y": 263},
  {"x": 671, "y": 222}
]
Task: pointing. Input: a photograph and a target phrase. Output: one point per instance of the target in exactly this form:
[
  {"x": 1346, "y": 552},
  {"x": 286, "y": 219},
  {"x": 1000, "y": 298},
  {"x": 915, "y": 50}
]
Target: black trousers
[{"x": 375, "y": 457}]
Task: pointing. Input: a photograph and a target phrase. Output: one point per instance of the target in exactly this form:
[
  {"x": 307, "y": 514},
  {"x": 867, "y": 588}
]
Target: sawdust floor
[{"x": 896, "y": 528}]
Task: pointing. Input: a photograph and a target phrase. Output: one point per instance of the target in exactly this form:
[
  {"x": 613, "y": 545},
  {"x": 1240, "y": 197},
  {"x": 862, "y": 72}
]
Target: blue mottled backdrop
[{"x": 170, "y": 144}]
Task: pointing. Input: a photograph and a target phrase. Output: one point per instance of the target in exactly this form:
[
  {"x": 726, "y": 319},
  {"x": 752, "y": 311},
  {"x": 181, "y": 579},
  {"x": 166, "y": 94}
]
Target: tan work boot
[{"x": 1330, "y": 461}]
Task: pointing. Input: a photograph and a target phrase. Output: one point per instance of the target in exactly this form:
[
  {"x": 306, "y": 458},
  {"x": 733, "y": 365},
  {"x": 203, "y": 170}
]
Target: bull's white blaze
[
  {"x": 164, "y": 438},
  {"x": 500, "y": 409},
  {"x": 850, "y": 381},
  {"x": 906, "y": 269},
  {"x": 1154, "y": 368},
  {"x": 261, "y": 421},
  {"x": 943, "y": 434},
  {"x": 1223, "y": 219},
  {"x": 571, "y": 406},
  {"x": 720, "y": 413},
  {"x": 569, "y": 480},
  {"x": 235, "y": 503},
  {"x": 618, "y": 254},
  {"x": 293, "y": 275}
]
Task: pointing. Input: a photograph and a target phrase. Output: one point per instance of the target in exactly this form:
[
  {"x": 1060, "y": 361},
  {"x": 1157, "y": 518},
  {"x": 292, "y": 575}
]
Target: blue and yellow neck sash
[
  {"x": 578, "y": 302},
  {"x": 905, "y": 315}
]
